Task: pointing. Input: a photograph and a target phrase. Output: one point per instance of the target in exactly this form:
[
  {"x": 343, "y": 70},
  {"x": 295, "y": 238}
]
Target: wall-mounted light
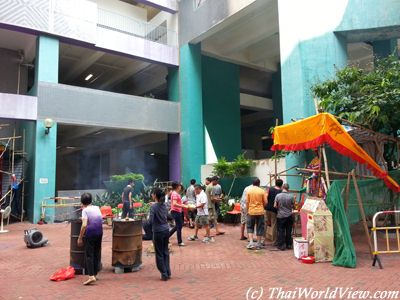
[{"x": 48, "y": 123}]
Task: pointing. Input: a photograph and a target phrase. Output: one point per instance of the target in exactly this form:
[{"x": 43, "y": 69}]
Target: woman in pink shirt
[{"x": 176, "y": 211}]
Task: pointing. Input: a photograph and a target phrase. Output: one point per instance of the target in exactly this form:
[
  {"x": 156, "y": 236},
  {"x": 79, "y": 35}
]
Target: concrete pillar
[
  {"x": 43, "y": 182},
  {"x": 221, "y": 109},
  {"x": 174, "y": 146},
  {"x": 192, "y": 129}
]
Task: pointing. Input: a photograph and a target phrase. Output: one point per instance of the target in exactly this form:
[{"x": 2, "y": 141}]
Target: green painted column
[
  {"x": 221, "y": 108},
  {"x": 174, "y": 145},
  {"x": 192, "y": 129},
  {"x": 310, "y": 61},
  {"x": 277, "y": 96},
  {"x": 43, "y": 161}
]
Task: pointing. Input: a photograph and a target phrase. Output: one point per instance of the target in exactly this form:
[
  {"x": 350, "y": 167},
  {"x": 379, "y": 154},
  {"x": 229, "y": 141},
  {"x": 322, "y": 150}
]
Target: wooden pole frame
[{"x": 362, "y": 213}]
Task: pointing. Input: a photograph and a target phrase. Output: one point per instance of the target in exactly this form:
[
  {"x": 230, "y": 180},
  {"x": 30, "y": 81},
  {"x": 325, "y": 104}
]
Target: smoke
[{"x": 96, "y": 164}]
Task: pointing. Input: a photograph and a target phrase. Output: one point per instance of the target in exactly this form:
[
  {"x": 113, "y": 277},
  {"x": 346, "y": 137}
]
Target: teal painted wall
[
  {"x": 45, "y": 168},
  {"x": 192, "y": 129},
  {"x": 312, "y": 54},
  {"x": 221, "y": 106},
  {"x": 43, "y": 160},
  {"x": 384, "y": 48},
  {"x": 30, "y": 136},
  {"x": 173, "y": 84},
  {"x": 370, "y": 14},
  {"x": 311, "y": 61}
]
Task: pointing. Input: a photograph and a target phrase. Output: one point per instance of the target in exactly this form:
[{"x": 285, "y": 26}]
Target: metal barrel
[
  {"x": 127, "y": 243},
  {"x": 77, "y": 254}
]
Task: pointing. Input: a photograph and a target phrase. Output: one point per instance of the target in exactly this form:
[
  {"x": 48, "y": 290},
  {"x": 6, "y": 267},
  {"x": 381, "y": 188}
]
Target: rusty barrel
[
  {"x": 127, "y": 243},
  {"x": 77, "y": 254}
]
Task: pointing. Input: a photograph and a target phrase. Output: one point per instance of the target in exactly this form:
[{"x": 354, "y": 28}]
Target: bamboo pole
[
  {"x": 12, "y": 172},
  {"x": 10, "y": 138},
  {"x": 347, "y": 195},
  {"x": 362, "y": 213},
  {"x": 328, "y": 183},
  {"x": 319, "y": 170},
  {"x": 334, "y": 173},
  {"x": 276, "y": 154},
  {"x": 23, "y": 175}
]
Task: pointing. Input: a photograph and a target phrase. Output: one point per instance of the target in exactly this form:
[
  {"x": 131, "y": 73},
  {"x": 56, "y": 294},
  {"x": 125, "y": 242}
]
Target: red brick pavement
[{"x": 221, "y": 270}]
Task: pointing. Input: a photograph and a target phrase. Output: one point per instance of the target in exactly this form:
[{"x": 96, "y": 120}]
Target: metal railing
[
  {"x": 386, "y": 230},
  {"x": 131, "y": 26}
]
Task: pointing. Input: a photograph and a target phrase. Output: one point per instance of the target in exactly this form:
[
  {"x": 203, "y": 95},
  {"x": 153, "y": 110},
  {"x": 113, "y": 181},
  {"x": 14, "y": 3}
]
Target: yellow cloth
[
  {"x": 324, "y": 128},
  {"x": 255, "y": 201}
]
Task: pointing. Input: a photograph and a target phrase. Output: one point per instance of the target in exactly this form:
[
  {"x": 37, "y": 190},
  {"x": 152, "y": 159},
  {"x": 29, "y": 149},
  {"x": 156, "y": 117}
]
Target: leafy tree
[{"x": 369, "y": 98}]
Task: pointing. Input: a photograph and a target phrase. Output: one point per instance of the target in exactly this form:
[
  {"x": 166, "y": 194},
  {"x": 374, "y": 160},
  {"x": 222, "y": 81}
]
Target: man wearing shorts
[
  {"x": 202, "y": 214},
  {"x": 255, "y": 202},
  {"x": 243, "y": 213},
  {"x": 214, "y": 196}
]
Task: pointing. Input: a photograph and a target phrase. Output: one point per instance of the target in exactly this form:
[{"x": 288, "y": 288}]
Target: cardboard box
[{"x": 300, "y": 247}]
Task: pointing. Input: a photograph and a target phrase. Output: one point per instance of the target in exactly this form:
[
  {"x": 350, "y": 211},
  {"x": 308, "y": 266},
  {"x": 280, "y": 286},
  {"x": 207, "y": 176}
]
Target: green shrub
[{"x": 238, "y": 168}]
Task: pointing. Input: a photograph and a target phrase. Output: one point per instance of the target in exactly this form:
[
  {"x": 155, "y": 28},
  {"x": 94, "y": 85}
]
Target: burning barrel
[
  {"x": 127, "y": 244},
  {"x": 77, "y": 254}
]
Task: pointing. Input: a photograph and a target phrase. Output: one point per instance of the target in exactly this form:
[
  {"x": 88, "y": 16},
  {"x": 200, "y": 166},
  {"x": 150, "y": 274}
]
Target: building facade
[{"x": 161, "y": 87}]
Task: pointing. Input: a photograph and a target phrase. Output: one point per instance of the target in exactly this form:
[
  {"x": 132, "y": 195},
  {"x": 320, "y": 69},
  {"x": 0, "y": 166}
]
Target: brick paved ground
[{"x": 222, "y": 270}]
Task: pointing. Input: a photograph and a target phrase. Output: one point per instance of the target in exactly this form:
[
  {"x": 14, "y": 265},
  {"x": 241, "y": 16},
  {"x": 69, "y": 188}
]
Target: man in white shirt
[{"x": 202, "y": 214}]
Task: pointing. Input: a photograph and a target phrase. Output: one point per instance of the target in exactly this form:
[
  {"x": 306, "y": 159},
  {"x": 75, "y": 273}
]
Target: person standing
[
  {"x": 202, "y": 215},
  {"x": 243, "y": 213},
  {"x": 158, "y": 219},
  {"x": 176, "y": 212},
  {"x": 214, "y": 196},
  {"x": 127, "y": 203},
  {"x": 92, "y": 233},
  {"x": 284, "y": 202},
  {"x": 271, "y": 211},
  {"x": 255, "y": 202},
  {"x": 191, "y": 199}
]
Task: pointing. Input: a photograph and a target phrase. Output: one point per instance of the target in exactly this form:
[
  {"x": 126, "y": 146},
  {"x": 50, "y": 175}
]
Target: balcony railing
[{"x": 124, "y": 24}]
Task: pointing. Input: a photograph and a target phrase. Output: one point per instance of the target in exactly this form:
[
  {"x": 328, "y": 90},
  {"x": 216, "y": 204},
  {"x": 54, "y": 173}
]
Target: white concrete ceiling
[
  {"x": 110, "y": 72},
  {"x": 17, "y": 41},
  {"x": 252, "y": 40}
]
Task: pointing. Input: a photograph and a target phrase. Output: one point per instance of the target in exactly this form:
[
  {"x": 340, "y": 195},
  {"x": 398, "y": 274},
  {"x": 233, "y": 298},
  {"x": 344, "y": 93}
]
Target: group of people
[
  {"x": 273, "y": 208},
  {"x": 202, "y": 203}
]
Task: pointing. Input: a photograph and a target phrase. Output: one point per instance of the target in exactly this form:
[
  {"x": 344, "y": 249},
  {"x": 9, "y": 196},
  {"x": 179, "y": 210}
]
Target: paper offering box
[
  {"x": 300, "y": 247},
  {"x": 319, "y": 229}
]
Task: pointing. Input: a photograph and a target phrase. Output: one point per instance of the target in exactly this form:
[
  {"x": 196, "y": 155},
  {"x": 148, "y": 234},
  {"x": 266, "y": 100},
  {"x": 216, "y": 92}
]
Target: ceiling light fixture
[{"x": 89, "y": 76}]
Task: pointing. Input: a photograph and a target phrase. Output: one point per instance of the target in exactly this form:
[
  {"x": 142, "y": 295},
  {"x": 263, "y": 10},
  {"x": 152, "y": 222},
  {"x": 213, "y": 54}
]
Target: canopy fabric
[{"x": 324, "y": 128}]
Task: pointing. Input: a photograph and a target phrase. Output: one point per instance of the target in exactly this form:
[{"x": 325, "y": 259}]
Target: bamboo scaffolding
[
  {"x": 335, "y": 173},
  {"x": 11, "y": 147},
  {"x": 12, "y": 137}
]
